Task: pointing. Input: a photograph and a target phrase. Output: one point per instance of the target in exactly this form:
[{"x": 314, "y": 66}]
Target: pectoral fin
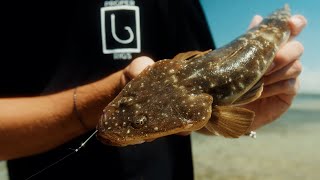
[
  {"x": 229, "y": 121},
  {"x": 251, "y": 95}
]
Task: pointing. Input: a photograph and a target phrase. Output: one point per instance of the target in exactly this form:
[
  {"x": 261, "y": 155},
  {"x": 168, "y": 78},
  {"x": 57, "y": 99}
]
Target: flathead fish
[{"x": 196, "y": 89}]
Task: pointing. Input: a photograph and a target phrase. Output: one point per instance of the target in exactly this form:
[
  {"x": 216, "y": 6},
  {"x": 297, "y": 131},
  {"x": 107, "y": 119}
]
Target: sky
[{"x": 230, "y": 18}]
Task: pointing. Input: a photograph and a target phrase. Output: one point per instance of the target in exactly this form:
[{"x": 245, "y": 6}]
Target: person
[{"x": 87, "y": 46}]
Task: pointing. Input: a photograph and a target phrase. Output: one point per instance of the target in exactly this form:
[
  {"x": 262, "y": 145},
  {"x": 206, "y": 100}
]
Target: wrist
[
  {"x": 76, "y": 111},
  {"x": 91, "y": 99}
]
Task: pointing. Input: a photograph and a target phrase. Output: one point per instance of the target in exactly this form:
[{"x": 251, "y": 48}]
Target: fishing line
[{"x": 66, "y": 156}]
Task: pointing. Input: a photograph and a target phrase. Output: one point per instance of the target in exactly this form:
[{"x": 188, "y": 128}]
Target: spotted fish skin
[
  {"x": 186, "y": 92},
  {"x": 237, "y": 66}
]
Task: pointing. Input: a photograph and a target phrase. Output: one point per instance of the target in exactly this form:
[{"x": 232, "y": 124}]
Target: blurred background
[{"x": 287, "y": 148}]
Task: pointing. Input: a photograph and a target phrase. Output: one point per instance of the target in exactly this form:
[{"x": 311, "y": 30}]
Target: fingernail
[{"x": 297, "y": 21}]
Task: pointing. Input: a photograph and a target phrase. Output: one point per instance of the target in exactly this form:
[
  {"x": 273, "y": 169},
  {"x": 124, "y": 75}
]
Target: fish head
[
  {"x": 152, "y": 105},
  {"x": 122, "y": 121}
]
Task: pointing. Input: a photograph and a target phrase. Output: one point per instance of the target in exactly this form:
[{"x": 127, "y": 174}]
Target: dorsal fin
[
  {"x": 186, "y": 55},
  {"x": 190, "y": 54}
]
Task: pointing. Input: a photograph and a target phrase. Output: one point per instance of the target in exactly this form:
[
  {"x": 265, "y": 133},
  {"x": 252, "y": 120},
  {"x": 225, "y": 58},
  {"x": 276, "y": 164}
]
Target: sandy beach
[
  {"x": 286, "y": 149},
  {"x": 3, "y": 171}
]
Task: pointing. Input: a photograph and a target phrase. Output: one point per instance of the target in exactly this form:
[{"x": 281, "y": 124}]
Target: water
[
  {"x": 285, "y": 149},
  {"x": 302, "y": 115},
  {"x": 307, "y": 102}
]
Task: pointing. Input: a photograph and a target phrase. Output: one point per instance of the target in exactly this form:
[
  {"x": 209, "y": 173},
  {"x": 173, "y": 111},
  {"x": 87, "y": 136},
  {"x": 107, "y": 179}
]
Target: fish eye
[{"x": 139, "y": 122}]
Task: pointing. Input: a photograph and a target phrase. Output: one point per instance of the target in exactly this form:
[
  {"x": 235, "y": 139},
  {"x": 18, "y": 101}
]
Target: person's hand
[
  {"x": 281, "y": 82},
  {"x": 135, "y": 68}
]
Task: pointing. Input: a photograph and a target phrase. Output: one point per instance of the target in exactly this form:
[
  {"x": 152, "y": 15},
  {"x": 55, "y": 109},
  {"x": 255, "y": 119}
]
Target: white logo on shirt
[{"x": 120, "y": 28}]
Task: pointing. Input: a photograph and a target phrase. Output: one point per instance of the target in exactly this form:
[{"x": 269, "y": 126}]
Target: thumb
[
  {"x": 255, "y": 21},
  {"x": 135, "y": 68}
]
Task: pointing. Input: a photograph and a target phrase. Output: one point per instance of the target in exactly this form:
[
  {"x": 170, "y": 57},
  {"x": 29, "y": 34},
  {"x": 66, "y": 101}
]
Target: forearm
[
  {"x": 32, "y": 125},
  {"x": 36, "y": 124}
]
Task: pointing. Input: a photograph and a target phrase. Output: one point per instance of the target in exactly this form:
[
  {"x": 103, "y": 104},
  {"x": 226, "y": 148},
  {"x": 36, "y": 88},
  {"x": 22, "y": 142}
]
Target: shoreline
[{"x": 285, "y": 149}]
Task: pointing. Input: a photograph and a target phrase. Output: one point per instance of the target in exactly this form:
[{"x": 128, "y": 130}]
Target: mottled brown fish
[{"x": 196, "y": 89}]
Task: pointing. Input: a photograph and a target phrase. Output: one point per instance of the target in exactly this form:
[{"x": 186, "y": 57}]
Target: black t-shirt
[{"x": 76, "y": 42}]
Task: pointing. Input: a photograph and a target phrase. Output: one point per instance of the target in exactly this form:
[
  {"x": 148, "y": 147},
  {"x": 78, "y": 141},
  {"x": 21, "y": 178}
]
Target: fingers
[
  {"x": 287, "y": 87},
  {"x": 287, "y": 54},
  {"x": 282, "y": 79},
  {"x": 291, "y": 71},
  {"x": 255, "y": 21},
  {"x": 134, "y": 69},
  {"x": 137, "y": 66},
  {"x": 297, "y": 23}
]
